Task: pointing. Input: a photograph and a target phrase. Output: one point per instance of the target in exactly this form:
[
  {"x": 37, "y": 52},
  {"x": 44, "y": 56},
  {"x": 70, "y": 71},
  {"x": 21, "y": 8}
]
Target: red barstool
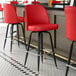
[
  {"x": 14, "y": 2},
  {"x": 54, "y": 2},
  {"x": 70, "y": 18},
  {"x": 25, "y": 1},
  {"x": 38, "y": 22},
  {"x": 35, "y": 2},
  {"x": 10, "y": 17},
  {"x": 1, "y": 10}
]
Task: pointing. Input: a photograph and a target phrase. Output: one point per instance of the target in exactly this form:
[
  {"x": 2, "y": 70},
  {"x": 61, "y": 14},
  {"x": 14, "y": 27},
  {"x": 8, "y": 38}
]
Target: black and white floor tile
[{"x": 12, "y": 64}]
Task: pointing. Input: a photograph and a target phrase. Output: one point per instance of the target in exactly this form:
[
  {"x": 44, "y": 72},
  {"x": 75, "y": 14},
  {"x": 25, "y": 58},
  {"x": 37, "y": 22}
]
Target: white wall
[
  {"x": 2, "y": 1},
  {"x": 46, "y": 1},
  {"x": 43, "y": 1},
  {"x": 25, "y": 0}
]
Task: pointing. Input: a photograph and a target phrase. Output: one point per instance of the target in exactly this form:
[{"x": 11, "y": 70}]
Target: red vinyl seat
[
  {"x": 70, "y": 19},
  {"x": 56, "y": 1},
  {"x": 38, "y": 22},
  {"x": 25, "y": 1},
  {"x": 20, "y": 19},
  {"x": 42, "y": 27},
  {"x": 10, "y": 17}
]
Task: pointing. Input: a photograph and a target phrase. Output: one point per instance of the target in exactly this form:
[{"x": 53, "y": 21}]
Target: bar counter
[
  {"x": 43, "y": 4},
  {"x": 61, "y": 43}
]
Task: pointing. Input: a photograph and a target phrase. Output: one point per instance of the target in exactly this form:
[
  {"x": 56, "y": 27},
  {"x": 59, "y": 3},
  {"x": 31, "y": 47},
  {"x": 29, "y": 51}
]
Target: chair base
[
  {"x": 69, "y": 59},
  {"x": 40, "y": 47},
  {"x": 11, "y": 31}
]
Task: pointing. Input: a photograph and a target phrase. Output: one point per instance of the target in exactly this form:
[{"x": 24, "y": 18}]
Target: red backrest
[
  {"x": 35, "y": 2},
  {"x": 0, "y": 4},
  {"x": 10, "y": 15},
  {"x": 14, "y": 2},
  {"x": 56, "y": 2},
  {"x": 35, "y": 14},
  {"x": 70, "y": 18},
  {"x": 1, "y": 9},
  {"x": 25, "y": 1}
]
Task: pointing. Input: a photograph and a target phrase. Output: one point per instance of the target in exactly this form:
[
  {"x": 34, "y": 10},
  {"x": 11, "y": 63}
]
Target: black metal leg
[
  {"x": 11, "y": 37},
  {"x": 24, "y": 33},
  {"x": 28, "y": 48},
  {"x": 54, "y": 38},
  {"x": 42, "y": 47},
  {"x": 18, "y": 34},
  {"x": 24, "y": 26},
  {"x": 38, "y": 51},
  {"x": 54, "y": 32},
  {"x": 52, "y": 47},
  {"x": 6, "y": 36},
  {"x": 70, "y": 55},
  {"x": 53, "y": 50},
  {"x": 23, "y": 30}
]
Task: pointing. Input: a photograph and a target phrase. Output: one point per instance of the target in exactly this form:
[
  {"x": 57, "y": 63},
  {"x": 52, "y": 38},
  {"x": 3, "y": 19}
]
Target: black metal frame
[
  {"x": 54, "y": 32},
  {"x": 12, "y": 26},
  {"x": 69, "y": 58},
  {"x": 40, "y": 47}
]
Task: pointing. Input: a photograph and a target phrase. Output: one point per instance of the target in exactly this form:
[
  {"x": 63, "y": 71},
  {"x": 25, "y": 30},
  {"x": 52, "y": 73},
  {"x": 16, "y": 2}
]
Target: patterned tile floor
[{"x": 11, "y": 64}]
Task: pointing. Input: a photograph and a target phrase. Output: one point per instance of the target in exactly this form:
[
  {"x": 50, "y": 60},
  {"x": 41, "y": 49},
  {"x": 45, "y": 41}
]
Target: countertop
[{"x": 45, "y": 5}]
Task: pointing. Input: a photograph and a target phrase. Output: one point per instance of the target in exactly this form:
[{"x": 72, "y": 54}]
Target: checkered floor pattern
[{"x": 12, "y": 64}]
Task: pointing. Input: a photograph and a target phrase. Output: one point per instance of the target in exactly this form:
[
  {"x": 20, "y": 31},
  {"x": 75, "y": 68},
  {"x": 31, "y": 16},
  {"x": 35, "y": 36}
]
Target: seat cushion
[
  {"x": 42, "y": 27},
  {"x": 20, "y": 19},
  {"x": 1, "y": 9}
]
